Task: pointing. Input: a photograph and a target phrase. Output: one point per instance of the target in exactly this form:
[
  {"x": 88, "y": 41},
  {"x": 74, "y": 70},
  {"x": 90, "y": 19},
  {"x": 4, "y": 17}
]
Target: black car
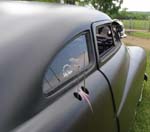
[{"x": 64, "y": 69}]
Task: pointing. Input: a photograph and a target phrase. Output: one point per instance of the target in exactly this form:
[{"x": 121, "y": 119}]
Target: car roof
[
  {"x": 41, "y": 29},
  {"x": 51, "y": 12},
  {"x": 53, "y": 24}
]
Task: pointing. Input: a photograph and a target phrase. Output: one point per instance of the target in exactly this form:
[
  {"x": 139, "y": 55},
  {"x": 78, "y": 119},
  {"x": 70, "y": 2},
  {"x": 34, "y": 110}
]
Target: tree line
[
  {"x": 110, "y": 7},
  {"x": 124, "y": 14}
]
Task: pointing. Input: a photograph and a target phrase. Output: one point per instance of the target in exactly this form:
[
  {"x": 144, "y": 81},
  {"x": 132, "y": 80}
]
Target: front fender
[{"x": 133, "y": 86}]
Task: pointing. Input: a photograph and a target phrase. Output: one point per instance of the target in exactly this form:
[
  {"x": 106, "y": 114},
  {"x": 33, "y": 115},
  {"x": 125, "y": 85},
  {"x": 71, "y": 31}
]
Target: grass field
[
  {"x": 142, "y": 119},
  {"x": 145, "y": 35},
  {"x": 137, "y": 24}
]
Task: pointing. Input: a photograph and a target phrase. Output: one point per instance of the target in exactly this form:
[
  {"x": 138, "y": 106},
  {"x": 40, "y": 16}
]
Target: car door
[
  {"x": 113, "y": 59},
  {"x": 79, "y": 93}
]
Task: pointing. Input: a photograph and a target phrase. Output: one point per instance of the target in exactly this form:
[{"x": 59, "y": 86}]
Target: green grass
[
  {"x": 145, "y": 35},
  {"x": 142, "y": 119},
  {"x": 137, "y": 24}
]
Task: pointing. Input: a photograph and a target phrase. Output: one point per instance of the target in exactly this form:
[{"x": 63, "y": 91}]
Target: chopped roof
[
  {"x": 28, "y": 27},
  {"x": 20, "y": 19}
]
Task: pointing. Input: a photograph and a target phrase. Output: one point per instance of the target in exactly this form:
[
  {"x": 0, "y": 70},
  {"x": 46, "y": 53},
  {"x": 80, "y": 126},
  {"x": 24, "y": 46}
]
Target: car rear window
[{"x": 69, "y": 61}]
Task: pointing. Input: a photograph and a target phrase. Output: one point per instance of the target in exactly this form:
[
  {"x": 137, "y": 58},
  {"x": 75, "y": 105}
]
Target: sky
[{"x": 136, "y": 5}]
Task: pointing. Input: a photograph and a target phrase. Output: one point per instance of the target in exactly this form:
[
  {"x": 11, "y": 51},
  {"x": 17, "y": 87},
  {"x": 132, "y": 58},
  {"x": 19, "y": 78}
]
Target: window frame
[
  {"x": 105, "y": 52},
  {"x": 70, "y": 80},
  {"x": 102, "y": 59}
]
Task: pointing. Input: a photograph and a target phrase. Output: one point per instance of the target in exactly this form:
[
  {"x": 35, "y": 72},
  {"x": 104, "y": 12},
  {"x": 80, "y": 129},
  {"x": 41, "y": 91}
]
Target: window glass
[
  {"x": 104, "y": 39},
  {"x": 115, "y": 34},
  {"x": 69, "y": 61}
]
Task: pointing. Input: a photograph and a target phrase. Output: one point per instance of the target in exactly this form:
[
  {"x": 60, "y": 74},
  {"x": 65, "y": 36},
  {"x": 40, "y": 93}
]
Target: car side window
[
  {"x": 115, "y": 35},
  {"x": 69, "y": 61},
  {"x": 104, "y": 39}
]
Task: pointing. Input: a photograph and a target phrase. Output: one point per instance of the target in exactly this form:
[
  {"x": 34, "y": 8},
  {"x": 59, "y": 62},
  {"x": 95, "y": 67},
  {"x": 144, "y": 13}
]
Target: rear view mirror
[{"x": 118, "y": 25}]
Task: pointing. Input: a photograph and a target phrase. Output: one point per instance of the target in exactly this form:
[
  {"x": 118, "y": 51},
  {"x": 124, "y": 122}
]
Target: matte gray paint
[
  {"x": 68, "y": 114},
  {"x": 27, "y": 44},
  {"x": 116, "y": 70},
  {"x": 37, "y": 37},
  {"x": 125, "y": 72},
  {"x": 133, "y": 87}
]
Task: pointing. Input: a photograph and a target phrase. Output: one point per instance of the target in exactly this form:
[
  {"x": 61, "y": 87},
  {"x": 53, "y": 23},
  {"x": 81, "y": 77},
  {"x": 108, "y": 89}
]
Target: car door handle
[
  {"x": 84, "y": 89},
  {"x": 77, "y": 94},
  {"x": 83, "y": 94}
]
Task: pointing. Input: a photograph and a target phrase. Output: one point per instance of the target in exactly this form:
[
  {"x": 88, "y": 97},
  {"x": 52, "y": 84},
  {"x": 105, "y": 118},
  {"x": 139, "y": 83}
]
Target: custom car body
[{"x": 64, "y": 69}]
